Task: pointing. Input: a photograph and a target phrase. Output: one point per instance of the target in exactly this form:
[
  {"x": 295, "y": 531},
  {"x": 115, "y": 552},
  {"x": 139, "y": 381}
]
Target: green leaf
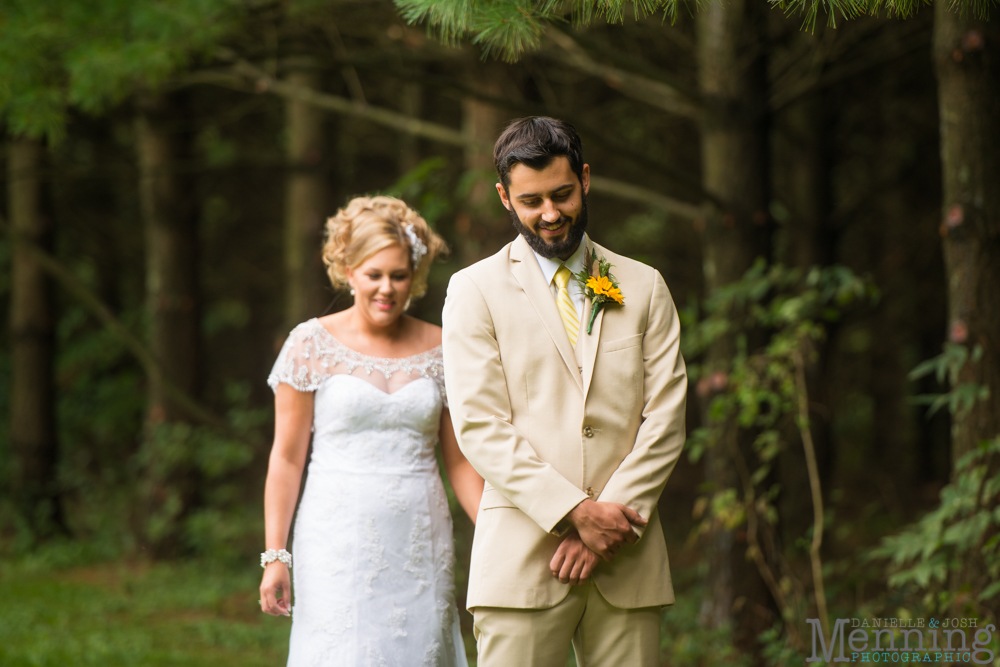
[{"x": 989, "y": 592}]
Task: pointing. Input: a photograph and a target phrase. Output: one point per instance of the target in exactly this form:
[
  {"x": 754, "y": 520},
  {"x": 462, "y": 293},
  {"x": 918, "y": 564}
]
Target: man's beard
[{"x": 558, "y": 248}]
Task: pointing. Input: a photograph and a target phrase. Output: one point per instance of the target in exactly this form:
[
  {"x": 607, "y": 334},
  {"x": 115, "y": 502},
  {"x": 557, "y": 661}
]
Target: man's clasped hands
[{"x": 600, "y": 530}]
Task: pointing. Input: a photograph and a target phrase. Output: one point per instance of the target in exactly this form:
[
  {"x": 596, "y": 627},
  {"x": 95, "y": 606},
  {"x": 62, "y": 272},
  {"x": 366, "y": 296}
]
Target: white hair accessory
[{"x": 417, "y": 247}]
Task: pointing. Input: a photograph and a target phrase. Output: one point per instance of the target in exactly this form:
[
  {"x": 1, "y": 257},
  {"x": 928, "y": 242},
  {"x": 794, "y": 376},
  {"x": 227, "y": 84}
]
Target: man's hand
[
  {"x": 605, "y": 527},
  {"x": 573, "y": 562}
]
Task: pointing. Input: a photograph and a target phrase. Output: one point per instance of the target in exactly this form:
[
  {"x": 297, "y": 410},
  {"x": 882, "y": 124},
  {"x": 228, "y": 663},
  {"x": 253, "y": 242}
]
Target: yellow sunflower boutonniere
[{"x": 599, "y": 286}]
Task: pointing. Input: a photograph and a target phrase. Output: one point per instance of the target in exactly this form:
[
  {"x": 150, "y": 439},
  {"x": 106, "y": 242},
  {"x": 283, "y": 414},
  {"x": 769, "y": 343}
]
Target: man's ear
[
  {"x": 585, "y": 178},
  {"x": 504, "y": 199}
]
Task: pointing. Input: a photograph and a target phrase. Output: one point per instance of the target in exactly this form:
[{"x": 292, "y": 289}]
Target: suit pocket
[
  {"x": 621, "y": 343},
  {"x": 493, "y": 499}
]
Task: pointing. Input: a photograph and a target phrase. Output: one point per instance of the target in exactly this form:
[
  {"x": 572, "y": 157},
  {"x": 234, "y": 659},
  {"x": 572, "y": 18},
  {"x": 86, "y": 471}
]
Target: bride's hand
[{"x": 276, "y": 582}]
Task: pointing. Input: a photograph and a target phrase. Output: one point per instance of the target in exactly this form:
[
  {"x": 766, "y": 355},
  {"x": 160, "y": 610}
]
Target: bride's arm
[
  {"x": 465, "y": 481},
  {"x": 293, "y": 416}
]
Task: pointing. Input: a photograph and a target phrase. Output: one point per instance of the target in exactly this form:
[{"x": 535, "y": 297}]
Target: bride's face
[{"x": 382, "y": 284}]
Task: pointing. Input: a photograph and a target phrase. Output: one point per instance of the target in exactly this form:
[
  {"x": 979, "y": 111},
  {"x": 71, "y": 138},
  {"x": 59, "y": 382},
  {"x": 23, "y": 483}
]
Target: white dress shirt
[{"x": 575, "y": 265}]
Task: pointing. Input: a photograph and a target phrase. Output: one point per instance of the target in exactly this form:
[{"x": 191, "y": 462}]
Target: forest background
[{"x": 817, "y": 184}]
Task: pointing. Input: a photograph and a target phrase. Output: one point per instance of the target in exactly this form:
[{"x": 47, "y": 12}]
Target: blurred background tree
[{"x": 822, "y": 203}]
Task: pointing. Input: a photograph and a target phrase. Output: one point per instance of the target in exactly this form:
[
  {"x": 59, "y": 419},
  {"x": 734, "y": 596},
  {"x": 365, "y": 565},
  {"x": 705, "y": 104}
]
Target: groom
[{"x": 574, "y": 432}]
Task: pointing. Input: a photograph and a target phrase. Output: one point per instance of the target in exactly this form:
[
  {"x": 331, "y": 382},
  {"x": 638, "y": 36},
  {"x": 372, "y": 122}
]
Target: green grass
[
  {"x": 58, "y": 613},
  {"x": 135, "y": 614}
]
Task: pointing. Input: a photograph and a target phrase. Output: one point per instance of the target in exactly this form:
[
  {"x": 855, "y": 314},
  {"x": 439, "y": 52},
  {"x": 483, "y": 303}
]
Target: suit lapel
[
  {"x": 590, "y": 342},
  {"x": 529, "y": 276}
]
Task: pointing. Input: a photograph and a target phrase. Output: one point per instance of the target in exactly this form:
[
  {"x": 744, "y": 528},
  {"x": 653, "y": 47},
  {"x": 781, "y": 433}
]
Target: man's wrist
[
  {"x": 566, "y": 523},
  {"x": 561, "y": 528},
  {"x": 574, "y": 515}
]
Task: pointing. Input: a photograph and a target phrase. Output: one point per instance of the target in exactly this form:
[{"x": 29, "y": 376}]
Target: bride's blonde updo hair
[{"x": 370, "y": 224}]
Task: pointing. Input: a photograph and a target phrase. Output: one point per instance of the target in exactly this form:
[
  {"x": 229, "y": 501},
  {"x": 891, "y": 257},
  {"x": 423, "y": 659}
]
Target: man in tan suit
[{"x": 575, "y": 433}]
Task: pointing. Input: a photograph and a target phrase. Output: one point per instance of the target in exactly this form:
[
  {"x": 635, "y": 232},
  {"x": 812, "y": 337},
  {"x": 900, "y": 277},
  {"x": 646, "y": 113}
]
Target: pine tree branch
[
  {"x": 638, "y": 193},
  {"x": 633, "y": 62},
  {"x": 690, "y": 187},
  {"x": 246, "y": 77},
  {"x": 264, "y": 82},
  {"x": 912, "y": 38},
  {"x": 655, "y": 93}
]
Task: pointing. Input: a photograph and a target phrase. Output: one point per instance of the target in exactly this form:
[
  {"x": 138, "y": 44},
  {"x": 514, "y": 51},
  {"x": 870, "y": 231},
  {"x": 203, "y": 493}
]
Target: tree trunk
[
  {"x": 967, "y": 60},
  {"x": 172, "y": 302},
  {"x": 732, "y": 78},
  {"x": 33, "y": 441},
  {"x": 802, "y": 177},
  {"x": 482, "y": 228},
  {"x": 410, "y": 102},
  {"x": 305, "y": 204}
]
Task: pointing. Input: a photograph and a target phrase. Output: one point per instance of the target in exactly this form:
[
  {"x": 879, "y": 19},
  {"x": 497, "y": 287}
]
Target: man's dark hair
[{"x": 535, "y": 141}]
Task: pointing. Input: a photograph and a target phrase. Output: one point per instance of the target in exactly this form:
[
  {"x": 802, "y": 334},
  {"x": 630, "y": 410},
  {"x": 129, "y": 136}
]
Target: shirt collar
[{"x": 574, "y": 263}]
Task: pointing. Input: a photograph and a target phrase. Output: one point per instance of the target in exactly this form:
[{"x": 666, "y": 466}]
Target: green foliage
[
  {"x": 91, "y": 54},
  {"x": 757, "y": 388},
  {"x": 426, "y": 188},
  {"x": 850, "y": 9},
  {"x": 685, "y": 640},
  {"x": 777, "y": 650},
  {"x": 962, "y": 532},
  {"x": 948, "y": 366},
  {"x": 176, "y": 455},
  {"x": 510, "y": 28},
  {"x": 774, "y": 317}
]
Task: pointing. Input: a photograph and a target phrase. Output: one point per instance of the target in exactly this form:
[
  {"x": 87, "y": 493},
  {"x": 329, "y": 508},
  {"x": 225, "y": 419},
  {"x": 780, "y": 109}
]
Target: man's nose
[{"x": 549, "y": 211}]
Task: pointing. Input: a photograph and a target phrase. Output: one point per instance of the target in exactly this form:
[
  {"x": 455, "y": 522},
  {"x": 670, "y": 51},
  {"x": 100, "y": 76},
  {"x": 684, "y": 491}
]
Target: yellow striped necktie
[{"x": 567, "y": 310}]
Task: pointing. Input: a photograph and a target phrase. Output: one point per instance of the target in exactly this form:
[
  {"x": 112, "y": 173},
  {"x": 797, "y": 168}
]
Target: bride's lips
[{"x": 384, "y": 305}]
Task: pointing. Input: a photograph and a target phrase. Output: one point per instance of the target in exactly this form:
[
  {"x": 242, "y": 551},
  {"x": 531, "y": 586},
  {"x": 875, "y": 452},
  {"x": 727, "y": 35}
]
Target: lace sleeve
[
  {"x": 300, "y": 363},
  {"x": 436, "y": 371}
]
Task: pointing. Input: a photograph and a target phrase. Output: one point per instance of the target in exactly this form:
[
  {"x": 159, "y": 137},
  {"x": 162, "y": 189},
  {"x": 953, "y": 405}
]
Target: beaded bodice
[{"x": 311, "y": 355}]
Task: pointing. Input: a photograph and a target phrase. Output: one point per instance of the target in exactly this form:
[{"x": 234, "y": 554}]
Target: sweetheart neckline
[{"x": 381, "y": 391}]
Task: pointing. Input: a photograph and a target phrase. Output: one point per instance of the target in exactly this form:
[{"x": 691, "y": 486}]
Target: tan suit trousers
[{"x": 601, "y": 635}]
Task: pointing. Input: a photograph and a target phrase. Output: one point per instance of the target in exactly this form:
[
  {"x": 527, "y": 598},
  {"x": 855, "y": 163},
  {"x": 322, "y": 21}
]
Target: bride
[{"x": 374, "y": 560}]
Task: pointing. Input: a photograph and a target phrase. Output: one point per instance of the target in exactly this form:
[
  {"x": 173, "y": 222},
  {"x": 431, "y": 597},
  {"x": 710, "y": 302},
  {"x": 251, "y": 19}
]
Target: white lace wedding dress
[{"x": 373, "y": 558}]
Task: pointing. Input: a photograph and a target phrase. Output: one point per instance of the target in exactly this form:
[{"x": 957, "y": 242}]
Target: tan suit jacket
[{"x": 547, "y": 425}]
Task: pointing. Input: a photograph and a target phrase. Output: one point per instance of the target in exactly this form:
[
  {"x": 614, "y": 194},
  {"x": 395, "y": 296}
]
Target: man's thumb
[{"x": 634, "y": 517}]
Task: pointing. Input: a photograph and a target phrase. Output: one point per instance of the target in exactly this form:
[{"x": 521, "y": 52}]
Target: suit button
[
  {"x": 588, "y": 431},
  {"x": 590, "y": 492}
]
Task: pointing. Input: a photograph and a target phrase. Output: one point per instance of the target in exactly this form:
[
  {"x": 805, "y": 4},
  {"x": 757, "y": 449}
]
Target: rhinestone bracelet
[{"x": 272, "y": 555}]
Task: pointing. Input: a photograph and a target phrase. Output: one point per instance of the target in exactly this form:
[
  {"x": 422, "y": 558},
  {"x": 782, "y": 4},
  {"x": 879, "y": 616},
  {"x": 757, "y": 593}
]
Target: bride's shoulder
[
  {"x": 331, "y": 323},
  {"x": 428, "y": 335}
]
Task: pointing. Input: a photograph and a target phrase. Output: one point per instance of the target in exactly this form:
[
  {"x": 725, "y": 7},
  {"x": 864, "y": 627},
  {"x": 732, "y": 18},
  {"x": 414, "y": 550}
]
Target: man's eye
[
  {"x": 532, "y": 202},
  {"x": 562, "y": 196}
]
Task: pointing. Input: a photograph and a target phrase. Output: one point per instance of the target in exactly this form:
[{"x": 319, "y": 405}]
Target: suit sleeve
[
  {"x": 641, "y": 476},
  {"x": 481, "y": 412}
]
